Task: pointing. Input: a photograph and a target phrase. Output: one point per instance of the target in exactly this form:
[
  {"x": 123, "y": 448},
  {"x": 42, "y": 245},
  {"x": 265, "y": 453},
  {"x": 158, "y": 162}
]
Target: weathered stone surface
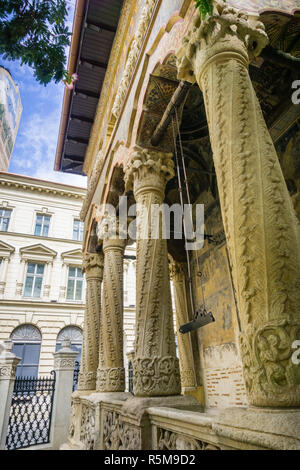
[{"x": 261, "y": 228}]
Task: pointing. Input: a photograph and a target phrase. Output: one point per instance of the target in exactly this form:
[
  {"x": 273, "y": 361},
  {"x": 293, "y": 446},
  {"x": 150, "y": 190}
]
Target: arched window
[
  {"x": 27, "y": 346},
  {"x": 74, "y": 334}
]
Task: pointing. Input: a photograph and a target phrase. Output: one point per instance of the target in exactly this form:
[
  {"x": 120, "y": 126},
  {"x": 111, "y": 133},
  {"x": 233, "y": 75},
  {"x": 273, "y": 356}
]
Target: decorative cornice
[
  {"x": 41, "y": 189},
  {"x": 133, "y": 55}
]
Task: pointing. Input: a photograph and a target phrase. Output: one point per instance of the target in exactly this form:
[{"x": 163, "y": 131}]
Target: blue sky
[{"x": 35, "y": 145}]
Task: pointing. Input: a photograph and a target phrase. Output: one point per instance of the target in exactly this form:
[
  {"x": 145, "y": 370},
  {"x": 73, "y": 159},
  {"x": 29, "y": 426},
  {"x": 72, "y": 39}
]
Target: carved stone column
[
  {"x": 186, "y": 359},
  {"x": 261, "y": 228},
  {"x": 111, "y": 372},
  {"x": 93, "y": 268},
  {"x": 155, "y": 366}
]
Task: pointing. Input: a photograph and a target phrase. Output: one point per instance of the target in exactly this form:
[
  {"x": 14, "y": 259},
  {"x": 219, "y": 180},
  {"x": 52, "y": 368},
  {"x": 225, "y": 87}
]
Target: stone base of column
[
  {"x": 265, "y": 428},
  {"x": 111, "y": 379},
  {"x": 157, "y": 376},
  {"x": 87, "y": 381}
]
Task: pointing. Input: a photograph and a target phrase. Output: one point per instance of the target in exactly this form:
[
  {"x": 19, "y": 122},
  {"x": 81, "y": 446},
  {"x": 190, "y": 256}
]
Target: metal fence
[
  {"x": 31, "y": 412},
  {"x": 75, "y": 376}
]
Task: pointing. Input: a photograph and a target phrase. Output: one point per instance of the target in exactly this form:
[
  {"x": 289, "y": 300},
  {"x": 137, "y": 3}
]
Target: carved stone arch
[
  {"x": 161, "y": 86},
  {"x": 116, "y": 185}
]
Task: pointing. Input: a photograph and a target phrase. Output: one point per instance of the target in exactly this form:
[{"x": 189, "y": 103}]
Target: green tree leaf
[{"x": 35, "y": 32}]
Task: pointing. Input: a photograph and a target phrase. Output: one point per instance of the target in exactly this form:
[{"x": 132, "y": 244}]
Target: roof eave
[{"x": 72, "y": 61}]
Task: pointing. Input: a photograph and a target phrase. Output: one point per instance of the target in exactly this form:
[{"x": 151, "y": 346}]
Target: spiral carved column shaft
[
  {"x": 261, "y": 228},
  {"x": 93, "y": 268},
  {"x": 111, "y": 372},
  {"x": 186, "y": 358},
  {"x": 155, "y": 366}
]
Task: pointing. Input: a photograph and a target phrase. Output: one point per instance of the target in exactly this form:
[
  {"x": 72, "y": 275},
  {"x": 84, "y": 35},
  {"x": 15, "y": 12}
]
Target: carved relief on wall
[
  {"x": 168, "y": 440},
  {"x": 87, "y": 427},
  {"x": 269, "y": 372},
  {"x": 119, "y": 435}
]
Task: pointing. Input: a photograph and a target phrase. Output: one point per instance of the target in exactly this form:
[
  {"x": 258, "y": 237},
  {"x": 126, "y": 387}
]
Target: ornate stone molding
[
  {"x": 41, "y": 189},
  {"x": 261, "y": 228},
  {"x": 8, "y": 371},
  {"x": 148, "y": 170},
  {"x": 133, "y": 56},
  {"x": 64, "y": 363}
]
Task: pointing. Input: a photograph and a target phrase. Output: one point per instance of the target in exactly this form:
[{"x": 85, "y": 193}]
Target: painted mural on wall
[
  {"x": 10, "y": 111},
  {"x": 258, "y": 5}
]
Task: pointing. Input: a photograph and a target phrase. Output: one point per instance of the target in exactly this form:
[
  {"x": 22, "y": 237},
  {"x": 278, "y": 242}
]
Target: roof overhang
[{"x": 94, "y": 28}]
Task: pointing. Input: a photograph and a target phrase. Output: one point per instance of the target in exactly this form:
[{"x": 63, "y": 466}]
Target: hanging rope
[
  {"x": 200, "y": 317},
  {"x": 183, "y": 219}
]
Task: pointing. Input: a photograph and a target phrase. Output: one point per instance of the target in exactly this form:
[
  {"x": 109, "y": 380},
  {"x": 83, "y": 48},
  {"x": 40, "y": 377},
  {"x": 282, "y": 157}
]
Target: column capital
[
  {"x": 148, "y": 170},
  {"x": 92, "y": 265},
  {"x": 113, "y": 234},
  {"x": 228, "y": 32}
]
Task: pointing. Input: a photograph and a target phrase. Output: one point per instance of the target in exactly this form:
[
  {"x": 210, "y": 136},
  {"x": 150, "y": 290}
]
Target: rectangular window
[
  {"x": 4, "y": 219},
  {"x": 42, "y": 224},
  {"x": 34, "y": 280},
  {"x": 78, "y": 230},
  {"x": 75, "y": 284}
]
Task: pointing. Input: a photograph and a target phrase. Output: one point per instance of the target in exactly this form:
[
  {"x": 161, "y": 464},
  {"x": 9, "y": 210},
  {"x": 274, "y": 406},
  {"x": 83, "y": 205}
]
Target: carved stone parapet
[
  {"x": 168, "y": 440},
  {"x": 156, "y": 376},
  {"x": 111, "y": 379},
  {"x": 260, "y": 224},
  {"x": 148, "y": 170},
  {"x": 119, "y": 435}
]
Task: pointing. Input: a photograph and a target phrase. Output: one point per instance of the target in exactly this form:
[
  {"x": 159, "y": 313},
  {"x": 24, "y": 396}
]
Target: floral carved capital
[
  {"x": 228, "y": 30},
  {"x": 148, "y": 169},
  {"x": 93, "y": 264}
]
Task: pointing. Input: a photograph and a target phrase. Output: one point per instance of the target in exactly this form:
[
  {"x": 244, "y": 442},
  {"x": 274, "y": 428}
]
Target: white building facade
[{"x": 42, "y": 288}]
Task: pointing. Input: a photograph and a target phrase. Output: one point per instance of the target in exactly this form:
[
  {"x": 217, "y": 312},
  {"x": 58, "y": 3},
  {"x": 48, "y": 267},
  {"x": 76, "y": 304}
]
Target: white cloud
[{"x": 35, "y": 149}]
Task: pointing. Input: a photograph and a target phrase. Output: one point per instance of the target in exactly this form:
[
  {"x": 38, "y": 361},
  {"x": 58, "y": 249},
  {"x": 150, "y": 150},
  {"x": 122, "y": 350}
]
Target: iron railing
[
  {"x": 31, "y": 412},
  {"x": 75, "y": 376}
]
